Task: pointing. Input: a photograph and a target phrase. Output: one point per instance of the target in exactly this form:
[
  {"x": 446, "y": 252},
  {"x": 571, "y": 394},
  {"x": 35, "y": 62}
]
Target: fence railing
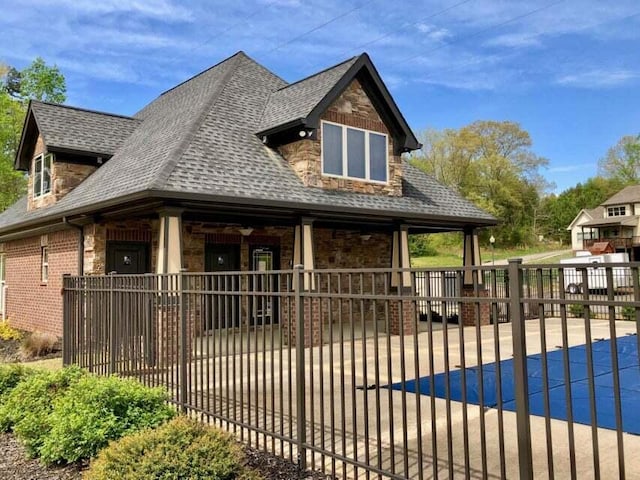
[{"x": 476, "y": 372}]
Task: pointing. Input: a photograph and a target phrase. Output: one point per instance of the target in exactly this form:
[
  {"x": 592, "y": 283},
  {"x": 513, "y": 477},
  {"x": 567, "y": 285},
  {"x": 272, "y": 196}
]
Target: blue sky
[{"x": 567, "y": 71}]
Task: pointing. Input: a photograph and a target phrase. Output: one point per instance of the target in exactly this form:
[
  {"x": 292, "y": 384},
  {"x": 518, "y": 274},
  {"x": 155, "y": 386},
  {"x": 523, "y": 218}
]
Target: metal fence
[{"x": 383, "y": 373}]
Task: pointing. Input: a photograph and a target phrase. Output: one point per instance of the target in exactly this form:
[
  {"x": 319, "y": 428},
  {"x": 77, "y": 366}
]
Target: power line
[
  {"x": 480, "y": 32},
  {"x": 395, "y": 31},
  {"x": 318, "y": 27},
  {"x": 585, "y": 27}
]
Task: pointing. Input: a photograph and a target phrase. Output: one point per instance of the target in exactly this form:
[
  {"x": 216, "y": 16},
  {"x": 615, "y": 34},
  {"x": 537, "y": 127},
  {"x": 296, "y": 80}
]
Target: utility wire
[
  {"x": 318, "y": 27},
  {"x": 395, "y": 31},
  {"x": 585, "y": 27},
  {"x": 479, "y": 32}
]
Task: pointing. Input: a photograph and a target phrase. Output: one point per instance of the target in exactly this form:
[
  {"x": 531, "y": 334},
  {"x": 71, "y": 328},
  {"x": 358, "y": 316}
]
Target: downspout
[{"x": 80, "y": 244}]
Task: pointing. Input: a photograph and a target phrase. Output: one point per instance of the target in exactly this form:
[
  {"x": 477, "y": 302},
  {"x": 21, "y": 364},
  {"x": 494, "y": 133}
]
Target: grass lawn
[{"x": 453, "y": 257}]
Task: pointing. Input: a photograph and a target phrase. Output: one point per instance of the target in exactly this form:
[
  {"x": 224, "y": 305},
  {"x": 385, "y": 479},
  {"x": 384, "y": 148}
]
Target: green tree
[
  {"x": 492, "y": 164},
  {"x": 38, "y": 82},
  {"x": 622, "y": 161}
]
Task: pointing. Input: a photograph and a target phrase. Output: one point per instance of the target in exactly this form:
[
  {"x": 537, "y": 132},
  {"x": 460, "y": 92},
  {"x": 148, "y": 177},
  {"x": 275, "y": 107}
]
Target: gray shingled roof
[
  {"x": 297, "y": 100},
  {"x": 73, "y": 128},
  {"x": 198, "y": 140},
  {"x": 630, "y": 194}
]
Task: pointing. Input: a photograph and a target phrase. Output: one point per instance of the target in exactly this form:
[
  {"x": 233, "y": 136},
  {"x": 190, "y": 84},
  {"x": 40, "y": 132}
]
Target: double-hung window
[
  {"x": 354, "y": 153},
  {"x": 44, "y": 264},
  {"x": 42, "y": 175},
  {"x": 617, "y": 211}
]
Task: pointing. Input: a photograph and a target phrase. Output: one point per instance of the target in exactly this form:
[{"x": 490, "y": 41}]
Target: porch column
[
  {"x": 402, "y": 312},
  {"x": 304, "y": 254},
  {"x": 169, "y": 261},
  {"x": 473, "y": 282},
  {"x": 169, "y": 241}
]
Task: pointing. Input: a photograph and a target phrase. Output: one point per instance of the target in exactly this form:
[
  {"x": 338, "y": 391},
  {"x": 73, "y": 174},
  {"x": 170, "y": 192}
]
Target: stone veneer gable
[
  {"x": 354, "y": 108},
  {"x": 65, "y": 176}
]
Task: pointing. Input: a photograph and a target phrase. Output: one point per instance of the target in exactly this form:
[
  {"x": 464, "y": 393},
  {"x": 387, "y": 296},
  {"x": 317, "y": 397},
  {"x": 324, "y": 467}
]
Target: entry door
[
  {"x": 127, "y": 257},
  {"x": 265, "y": 309},
  {"x": 222, "y": 311}
]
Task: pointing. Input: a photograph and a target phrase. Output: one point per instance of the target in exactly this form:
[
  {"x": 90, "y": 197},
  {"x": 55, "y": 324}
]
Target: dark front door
[
  {"x": 221, "y": 309},
  {"x": 127, "y": 257},
  {"x": 265, "y": 309}
]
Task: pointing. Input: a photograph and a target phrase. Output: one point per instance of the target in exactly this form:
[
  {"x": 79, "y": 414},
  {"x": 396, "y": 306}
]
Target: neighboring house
[
  {"x": 234, "y": 169},
  {"x": 615, "y": 221}
]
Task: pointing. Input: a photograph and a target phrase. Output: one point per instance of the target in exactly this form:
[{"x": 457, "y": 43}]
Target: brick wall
[
  {"x": 31, "y": 304},
  {"x": 353, "y": 108}
]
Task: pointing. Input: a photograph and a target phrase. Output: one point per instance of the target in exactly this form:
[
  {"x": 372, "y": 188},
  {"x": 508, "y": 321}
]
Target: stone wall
[
  {"x": 65, "y": 176},
  {"x": 353, "y": 108},
  {"x": 32, "y": 304}
]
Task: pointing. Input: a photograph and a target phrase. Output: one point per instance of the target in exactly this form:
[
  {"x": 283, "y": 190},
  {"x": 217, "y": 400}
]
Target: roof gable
[
  {"x": 70, "y": 129},
  {"x": 301, "y": 104}
]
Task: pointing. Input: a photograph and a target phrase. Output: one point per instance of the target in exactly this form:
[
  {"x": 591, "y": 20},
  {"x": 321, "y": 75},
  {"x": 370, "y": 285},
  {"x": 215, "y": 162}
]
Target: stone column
[
  {"x": 473, "y": 283},
  {"x": 402, "y": 312},
  {"x": 303, "y": 254}
]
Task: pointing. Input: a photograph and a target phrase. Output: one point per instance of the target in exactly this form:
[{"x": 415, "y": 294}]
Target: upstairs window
[
  {"x": 617, "y": 211},
  {"x": 42, "y": 175},
  {"x": 354, "y": 153}
]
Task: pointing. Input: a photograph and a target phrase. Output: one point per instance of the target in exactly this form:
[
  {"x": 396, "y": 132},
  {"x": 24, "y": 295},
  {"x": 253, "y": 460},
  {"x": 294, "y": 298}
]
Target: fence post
[
  {"x": 520, "y": 369},
  {"x": 112, "y": 328},
  {"x": 66, "y": 319},
  {"x": 300, "y": 369},
  {"x": 183, "y": 342}
]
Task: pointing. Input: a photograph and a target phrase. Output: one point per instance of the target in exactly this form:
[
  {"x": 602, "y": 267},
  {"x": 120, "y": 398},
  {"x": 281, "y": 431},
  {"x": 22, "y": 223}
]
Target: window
[
  {"x": 42, "y": 175},
  {"x": 354, "y": 153},
  {"x": 616, "y": 211},
  {"x": 3, "y": 261},
  {"x": 44, "y": 265},
  {"x": 588, "y": 235}
]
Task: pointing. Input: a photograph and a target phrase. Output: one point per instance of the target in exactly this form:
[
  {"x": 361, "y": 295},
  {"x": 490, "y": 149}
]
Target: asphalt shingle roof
[
  {"x": 199, "y": 139},
  {"x": 73, "y": 128},
  {"x": 295, "y": 101},
  {"x": 630, "y": 194}
]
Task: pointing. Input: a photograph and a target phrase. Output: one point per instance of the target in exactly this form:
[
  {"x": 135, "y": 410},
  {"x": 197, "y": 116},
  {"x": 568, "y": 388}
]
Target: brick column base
[
  {"x": 312, "y": 323},
  {"x": 402, "y": 319},
  {"x": 470, "y": 309}
]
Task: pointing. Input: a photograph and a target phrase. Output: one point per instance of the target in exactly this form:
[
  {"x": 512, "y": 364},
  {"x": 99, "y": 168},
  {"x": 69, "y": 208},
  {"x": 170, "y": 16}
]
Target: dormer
[
  {"x": 340, "y": 130},
  {"x": 625, "y": 203},
  {"x": 61, "y": 146}
]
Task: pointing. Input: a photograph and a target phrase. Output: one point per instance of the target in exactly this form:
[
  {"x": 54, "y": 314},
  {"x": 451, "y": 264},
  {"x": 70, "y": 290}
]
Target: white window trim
[
  {"x": 3, "y": 267},
  {"x": 44, "y": 265},
  {"x": 617, "y": 211},
  {"x": 367, "y": 160},
  {"x": 42, "y": 157}
]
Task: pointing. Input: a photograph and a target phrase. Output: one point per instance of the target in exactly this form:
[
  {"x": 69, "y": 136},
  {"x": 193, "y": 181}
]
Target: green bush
[
  {"x": 26, "y": 409},
  {"x": 576, "y": 309},
  {"x": 628, "y": 313},
  {"x": 182, "y": 448},
  {"x": 95, "y": 410},
  {"x": 420, "y": 246},
  {"x": 10, "y": 376}
]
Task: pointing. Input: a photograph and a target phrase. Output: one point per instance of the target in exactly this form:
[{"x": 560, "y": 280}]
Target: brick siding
[{"x": 31, "y": 304}]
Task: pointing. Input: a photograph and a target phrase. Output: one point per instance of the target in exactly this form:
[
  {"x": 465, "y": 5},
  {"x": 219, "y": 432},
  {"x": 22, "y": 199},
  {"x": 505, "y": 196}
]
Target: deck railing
[{"x": 424, "y": 373}]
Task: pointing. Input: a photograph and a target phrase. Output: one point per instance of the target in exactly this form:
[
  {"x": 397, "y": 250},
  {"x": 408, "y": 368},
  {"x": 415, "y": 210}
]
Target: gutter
[{"x": 80, "y": 229}]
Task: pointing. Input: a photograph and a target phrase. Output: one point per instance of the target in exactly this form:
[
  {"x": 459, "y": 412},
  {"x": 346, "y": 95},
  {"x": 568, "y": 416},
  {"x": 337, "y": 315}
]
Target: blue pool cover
[{"x": 628, "y": 368}]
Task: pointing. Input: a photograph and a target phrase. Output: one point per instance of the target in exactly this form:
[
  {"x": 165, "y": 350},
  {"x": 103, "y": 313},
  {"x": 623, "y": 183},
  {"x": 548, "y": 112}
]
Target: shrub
[
  {"x": 182, "y": 448},
  {"x": 576, "y": 309},
  {"x": 27, "y": 408},
  {"x": 10, "y": 376},
  {"x": 95, "y": 410},
  {"x": 37, "y": 344},
  {"x": 628, "y": 312},
  {"x": 7, "y": 332}
]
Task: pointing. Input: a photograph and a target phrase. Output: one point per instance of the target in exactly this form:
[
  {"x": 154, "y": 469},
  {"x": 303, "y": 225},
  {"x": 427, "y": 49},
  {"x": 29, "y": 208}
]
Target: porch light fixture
[
  {"x": 365, "y": 236},
  {"x": 492, "y": 241},
  {"x": 245, "y": 231}
]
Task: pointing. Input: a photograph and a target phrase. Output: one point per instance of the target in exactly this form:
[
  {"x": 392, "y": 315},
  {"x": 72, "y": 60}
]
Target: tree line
[{"x": 38, "y": 81}]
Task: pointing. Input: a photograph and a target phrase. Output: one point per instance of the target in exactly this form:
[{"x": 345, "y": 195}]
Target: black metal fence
[{"x": 385, "y": 373}]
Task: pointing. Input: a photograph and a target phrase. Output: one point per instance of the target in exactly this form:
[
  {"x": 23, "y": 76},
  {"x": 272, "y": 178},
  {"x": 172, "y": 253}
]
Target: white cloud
[
  {"x": 432, "y": 32},
  {"x": 163, "y": 9},
  {"x": 598, "y": 78},
  {"x": 514, "y": 40}
]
